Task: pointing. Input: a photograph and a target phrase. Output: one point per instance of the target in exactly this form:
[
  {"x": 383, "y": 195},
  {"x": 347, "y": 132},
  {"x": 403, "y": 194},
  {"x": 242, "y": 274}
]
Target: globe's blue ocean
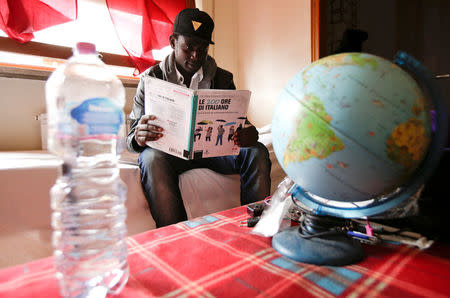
[{"x": 351, "y": 127}]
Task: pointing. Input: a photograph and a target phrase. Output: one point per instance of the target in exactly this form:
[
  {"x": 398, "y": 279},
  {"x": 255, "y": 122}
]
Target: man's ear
[{"x": 172, "y": 41}]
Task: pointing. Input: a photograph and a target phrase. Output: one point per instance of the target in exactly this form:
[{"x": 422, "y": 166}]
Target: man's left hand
[{"x": 246, "y": 137}]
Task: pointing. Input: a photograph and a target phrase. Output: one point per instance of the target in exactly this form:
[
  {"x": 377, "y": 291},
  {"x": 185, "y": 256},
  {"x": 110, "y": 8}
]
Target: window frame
[
  {"x": 318, "y": 29},
  {"x": 318, "y": 41}
]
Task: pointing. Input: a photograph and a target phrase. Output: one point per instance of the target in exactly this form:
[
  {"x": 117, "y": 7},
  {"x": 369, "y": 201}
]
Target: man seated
[{"x": 190, "y": 65}]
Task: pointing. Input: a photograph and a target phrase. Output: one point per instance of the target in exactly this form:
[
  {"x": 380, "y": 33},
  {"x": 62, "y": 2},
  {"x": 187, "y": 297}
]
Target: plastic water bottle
[{"x": 86, "y": 130}]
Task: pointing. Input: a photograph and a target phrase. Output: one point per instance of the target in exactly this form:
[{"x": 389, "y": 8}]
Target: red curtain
[
  {"x": 20, "y": 18},
  {"x": 143, "y": 25}
]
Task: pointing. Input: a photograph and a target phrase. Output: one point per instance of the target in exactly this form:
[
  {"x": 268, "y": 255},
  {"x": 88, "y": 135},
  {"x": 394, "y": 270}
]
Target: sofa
[{"x": 27, "y": 176}]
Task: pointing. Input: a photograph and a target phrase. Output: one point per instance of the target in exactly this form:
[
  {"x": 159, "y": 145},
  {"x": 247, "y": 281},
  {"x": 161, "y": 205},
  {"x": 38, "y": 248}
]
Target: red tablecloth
[{"x": 214, "y": 256}]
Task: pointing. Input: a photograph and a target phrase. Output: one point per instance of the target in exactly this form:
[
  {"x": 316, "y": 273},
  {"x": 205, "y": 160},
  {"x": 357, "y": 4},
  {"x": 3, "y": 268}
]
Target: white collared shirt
[{"x": 196, "y": 78}]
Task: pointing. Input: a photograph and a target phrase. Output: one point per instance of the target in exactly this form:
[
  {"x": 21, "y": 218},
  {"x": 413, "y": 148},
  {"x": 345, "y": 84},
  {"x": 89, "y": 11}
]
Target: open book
[{"x": 196, "y": 123}]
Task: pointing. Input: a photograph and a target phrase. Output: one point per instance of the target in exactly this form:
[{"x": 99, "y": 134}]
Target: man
[{"x": 190, "y": 65}]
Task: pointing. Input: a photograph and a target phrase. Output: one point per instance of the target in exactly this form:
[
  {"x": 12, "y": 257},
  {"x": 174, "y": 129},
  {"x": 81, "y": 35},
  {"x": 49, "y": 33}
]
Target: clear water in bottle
[{"x": 86, "y": 130}]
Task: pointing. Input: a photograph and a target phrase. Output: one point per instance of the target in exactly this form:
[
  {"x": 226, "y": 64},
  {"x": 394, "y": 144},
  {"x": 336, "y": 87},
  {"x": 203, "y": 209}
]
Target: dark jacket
[{"x": 214, "y": 77}]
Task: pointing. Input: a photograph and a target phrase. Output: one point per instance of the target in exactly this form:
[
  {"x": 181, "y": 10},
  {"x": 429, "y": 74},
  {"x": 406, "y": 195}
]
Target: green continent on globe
[
  {"x": 408, "y": 144},
  {"x": 312, "y": 136}
]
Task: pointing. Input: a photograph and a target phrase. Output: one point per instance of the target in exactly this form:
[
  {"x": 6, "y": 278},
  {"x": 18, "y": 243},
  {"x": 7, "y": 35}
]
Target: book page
[
  {"x": 219, "y": 114},
  {"x": 172, "y": 105}
]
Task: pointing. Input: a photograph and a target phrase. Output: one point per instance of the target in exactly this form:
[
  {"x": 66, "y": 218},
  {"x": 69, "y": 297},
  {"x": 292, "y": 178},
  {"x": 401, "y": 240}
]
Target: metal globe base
[{"x": 332, "y": 249}]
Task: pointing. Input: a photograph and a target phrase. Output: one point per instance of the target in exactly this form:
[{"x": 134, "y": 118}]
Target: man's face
[{"x": 190, "y": 53}]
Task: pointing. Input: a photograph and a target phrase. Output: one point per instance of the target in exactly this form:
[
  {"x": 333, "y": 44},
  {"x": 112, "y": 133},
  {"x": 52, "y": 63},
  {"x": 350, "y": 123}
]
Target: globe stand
[{"x": 318, "y": 241}]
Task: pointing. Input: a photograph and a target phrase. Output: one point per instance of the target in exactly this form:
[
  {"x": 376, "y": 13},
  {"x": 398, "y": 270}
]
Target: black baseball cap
[{"x": 195, "y": 23}]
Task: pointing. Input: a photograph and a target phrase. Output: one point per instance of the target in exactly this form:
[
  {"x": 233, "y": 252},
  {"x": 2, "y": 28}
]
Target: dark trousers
[{"x": 160, "y": 171}]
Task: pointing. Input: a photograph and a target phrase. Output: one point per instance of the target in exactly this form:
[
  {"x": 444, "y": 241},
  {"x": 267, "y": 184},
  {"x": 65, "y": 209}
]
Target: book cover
[
  {"x": 219, "y": 114},
  {"x": 196, "y": 123}
]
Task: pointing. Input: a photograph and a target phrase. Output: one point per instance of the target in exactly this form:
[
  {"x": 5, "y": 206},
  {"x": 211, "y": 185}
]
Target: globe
[
  {"x": 355, "y": 133},
  {"x": 351, "y": 127}
]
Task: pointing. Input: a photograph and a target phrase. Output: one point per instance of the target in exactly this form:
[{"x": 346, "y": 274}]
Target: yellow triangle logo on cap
[{"x": 196, "y": 25}]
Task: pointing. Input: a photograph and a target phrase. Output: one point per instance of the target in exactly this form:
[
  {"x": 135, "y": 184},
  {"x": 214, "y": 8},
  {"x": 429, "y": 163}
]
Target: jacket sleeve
[{"x": 136, "y": 114}]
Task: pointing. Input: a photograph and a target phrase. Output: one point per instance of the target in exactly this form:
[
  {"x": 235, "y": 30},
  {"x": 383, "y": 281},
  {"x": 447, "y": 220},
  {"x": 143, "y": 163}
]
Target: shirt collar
[{"x": 196, "y": 78}]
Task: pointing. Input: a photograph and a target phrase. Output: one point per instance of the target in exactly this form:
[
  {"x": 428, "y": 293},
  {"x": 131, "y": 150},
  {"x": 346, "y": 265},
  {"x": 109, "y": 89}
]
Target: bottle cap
[{"x": 85, "y": 48}]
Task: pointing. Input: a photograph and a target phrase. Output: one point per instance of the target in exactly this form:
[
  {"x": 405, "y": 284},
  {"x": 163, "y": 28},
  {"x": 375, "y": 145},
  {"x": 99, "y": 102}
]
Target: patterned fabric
[{"x": 213, "y": 256}]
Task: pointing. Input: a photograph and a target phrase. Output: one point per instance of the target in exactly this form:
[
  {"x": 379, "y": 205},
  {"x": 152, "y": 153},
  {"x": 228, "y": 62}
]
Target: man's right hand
[{"x": 146, "y": 131}]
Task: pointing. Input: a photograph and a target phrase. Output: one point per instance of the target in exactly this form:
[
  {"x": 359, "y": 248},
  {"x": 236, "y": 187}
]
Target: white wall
[
  {"x": 264, "y": 43},
  {"x": 21, "y": 101}
]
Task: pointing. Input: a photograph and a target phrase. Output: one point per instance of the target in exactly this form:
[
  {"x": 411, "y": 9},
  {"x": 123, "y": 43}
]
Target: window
[{"x": 51, "y": 46}]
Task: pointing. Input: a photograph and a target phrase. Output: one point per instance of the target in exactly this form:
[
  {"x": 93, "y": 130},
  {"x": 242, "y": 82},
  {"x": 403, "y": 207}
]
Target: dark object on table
[
  {"x": 432, "y": 220},
  {"x": 255, "y": 209},
  {"x": 352, "y": 41}
]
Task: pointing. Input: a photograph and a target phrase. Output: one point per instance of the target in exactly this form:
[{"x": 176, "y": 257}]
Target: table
[{"x": 213, "y": 256}]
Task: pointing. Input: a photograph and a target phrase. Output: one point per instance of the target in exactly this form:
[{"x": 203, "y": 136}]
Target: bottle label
[{"x": 98, "y": 116}]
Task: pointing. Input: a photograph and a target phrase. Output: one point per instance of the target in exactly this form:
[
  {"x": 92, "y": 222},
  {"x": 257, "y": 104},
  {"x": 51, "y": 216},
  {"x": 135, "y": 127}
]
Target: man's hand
[
  {"x": 146, "y": 131},
  {"x": 246, "y": 137}
]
